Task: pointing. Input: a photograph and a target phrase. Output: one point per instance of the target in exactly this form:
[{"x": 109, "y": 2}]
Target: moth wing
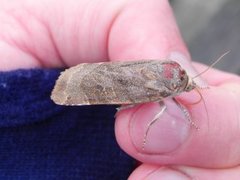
[{"x": 106, "y": 83}]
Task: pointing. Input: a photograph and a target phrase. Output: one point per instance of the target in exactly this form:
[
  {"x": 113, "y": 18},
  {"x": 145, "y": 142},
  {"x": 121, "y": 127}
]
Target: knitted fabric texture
[{"x": 41, "y": 140}]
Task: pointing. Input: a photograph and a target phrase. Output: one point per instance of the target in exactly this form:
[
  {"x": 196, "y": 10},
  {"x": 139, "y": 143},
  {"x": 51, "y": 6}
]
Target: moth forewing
[{"x": 130, "y": 82}]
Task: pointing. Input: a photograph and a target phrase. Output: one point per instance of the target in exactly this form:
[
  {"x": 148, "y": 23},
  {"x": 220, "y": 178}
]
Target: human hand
[{"x": 57, "y": 33}]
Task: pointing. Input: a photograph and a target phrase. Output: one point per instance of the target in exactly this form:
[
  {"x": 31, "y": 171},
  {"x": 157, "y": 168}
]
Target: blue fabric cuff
[{"x": 41, "y": 140}]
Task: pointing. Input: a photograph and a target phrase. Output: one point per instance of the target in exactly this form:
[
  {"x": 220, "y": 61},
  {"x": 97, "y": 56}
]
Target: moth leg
[
  {"x": 156, "y": 117},
  {"x": 186, "y": 113}
]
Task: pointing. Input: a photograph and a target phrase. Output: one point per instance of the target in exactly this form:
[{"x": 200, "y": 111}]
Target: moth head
[{"x": 179, "y": 81}]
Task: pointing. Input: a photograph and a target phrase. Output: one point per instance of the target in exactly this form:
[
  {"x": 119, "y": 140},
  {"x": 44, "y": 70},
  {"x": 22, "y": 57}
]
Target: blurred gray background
[{"x": 211, "y": 28}]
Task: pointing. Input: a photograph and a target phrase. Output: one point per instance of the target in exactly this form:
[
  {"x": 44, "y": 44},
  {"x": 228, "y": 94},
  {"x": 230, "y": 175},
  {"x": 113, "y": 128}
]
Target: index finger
[{"x": 146, "y": 30}]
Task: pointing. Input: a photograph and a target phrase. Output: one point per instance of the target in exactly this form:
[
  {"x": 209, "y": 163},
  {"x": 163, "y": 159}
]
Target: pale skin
[{"x": 58, "y": 33}]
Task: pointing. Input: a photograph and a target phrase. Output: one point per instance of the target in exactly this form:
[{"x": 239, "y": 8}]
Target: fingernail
[
  {"x": 186, "y": 64},
  {"x": 165, "y": 173},
  {"x": 165, "y": 135}
]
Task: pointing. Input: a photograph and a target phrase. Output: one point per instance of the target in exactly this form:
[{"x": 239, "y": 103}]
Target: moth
[
  {"x": 131, "y": 82},
  {"x": 126, "y": 83}
]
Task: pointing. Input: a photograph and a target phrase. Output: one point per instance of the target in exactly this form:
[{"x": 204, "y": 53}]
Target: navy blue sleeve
[{"x": 41, "y": 140}]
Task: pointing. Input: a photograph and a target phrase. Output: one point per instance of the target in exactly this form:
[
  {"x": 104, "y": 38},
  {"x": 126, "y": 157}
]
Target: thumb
[{"x": 172, "y": 141}]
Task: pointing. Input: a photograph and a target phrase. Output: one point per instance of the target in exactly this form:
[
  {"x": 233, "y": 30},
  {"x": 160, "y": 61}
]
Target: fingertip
[
  {"x": 150, "y": 32},
  {"x": 152, "y": 172},
  {"x": 143, "y": 171}
]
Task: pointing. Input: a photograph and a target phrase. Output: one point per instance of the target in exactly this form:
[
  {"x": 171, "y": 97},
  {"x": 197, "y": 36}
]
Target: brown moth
[{"x": 130, "y": 82}]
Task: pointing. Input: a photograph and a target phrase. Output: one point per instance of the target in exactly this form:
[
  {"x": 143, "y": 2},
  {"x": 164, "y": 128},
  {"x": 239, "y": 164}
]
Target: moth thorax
[{"x": 190, "y": 85}]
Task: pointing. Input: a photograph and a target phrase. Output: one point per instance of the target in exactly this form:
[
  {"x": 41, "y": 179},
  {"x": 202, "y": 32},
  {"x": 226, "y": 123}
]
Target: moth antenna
[
  {"x": 196, "y": 89},
  {"x": 213, "y": 64},
  {"x": 204, "y": 104}
]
